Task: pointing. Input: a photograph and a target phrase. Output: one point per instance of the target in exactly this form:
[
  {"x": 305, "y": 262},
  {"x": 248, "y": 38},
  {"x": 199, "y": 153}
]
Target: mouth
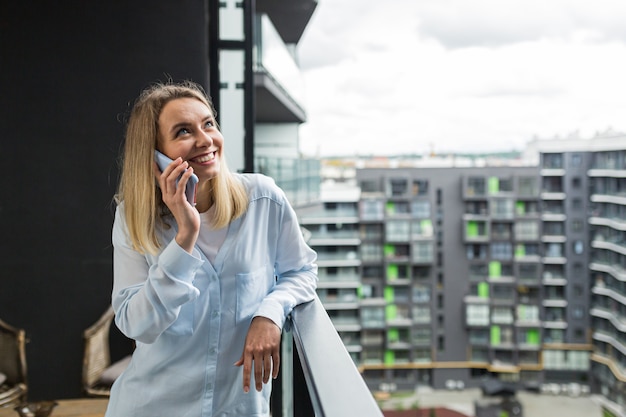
[{"x": 201, "y": 159}]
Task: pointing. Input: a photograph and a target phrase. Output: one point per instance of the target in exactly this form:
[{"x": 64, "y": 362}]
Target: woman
[{"x": 205, "y": 290}]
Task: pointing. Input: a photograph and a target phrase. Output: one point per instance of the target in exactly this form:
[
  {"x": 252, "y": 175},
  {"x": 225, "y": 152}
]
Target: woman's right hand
[{"x": 186, "y": 216}]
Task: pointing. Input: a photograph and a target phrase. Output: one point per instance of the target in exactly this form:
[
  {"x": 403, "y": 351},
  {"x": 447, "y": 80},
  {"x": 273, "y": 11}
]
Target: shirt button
[
  {"x": 216, "y": 313},
  {"x": 212, "y": 351}
]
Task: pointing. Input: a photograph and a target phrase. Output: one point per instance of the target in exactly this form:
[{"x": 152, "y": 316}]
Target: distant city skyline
[{"x": 450, "y": 76}]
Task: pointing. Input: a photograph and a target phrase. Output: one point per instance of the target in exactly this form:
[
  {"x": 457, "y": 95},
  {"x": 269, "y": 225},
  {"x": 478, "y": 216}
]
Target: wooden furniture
[
  {"x": 98, "y": 372},
  {"x": 85, "y": 407},
  {"x": 14, "y": 388}
]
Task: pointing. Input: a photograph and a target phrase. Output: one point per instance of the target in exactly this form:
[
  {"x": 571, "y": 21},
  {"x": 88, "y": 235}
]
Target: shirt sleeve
[
  {"x": 148, "y": 292},
  {"x": 295, "y": 269}
]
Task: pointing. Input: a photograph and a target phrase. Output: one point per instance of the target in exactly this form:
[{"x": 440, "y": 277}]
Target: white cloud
[{"x": 405, "y": 76}]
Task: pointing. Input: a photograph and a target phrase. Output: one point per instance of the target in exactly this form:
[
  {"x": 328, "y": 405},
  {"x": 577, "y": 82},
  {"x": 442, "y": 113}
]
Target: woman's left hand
[{"x": 261, "y": 350}]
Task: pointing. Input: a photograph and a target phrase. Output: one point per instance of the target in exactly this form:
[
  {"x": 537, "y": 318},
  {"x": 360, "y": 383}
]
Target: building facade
[{"x": 445, "y": 276}]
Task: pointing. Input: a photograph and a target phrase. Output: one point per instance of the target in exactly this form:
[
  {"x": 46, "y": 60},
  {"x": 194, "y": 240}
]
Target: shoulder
[{"x": 261, "y": 186}]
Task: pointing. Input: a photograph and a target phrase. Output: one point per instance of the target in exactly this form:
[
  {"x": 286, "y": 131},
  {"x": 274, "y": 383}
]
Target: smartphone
[{"x": 192, "y": 184}]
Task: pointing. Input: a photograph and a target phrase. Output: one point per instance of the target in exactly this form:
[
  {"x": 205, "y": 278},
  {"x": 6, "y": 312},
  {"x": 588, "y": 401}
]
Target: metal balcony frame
[{"x": 326, "y": 382}]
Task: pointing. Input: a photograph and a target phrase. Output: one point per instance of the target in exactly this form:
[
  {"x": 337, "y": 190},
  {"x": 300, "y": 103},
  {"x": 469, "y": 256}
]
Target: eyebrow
[{"x": 177, "y": 126}]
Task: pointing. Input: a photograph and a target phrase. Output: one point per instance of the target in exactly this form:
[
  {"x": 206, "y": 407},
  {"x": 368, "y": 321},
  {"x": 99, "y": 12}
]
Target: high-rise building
[{"x": 447, "y": 275}]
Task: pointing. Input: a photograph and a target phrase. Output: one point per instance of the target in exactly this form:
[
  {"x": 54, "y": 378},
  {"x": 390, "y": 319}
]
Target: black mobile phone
[{"x": 190, "y": 191}]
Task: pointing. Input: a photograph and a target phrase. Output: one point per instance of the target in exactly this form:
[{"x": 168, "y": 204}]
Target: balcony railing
[
  {"x": 299, "y": 178},
  {"x": 321, "y": 380}
]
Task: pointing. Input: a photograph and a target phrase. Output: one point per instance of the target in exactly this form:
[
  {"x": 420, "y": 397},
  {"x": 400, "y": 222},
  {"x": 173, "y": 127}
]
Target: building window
[
  {"x": 576, "y": 183},
  {"x": 422, "y": 252},
  {"x": 370, "y": 186},
  {"x": 553, "y": 228},
  {"x": 372, "y": 252},
  {"x": 502, "y": 208},
  {"x": 526, "y": 230},
  {"x": 371, "y": 209},
  {"x": 372, "y": 317},
  {"x": 554, "y": 250},
  {"x": 421, "y": 336},
  {"x": 421, "y": 294},
  {"x": 397, "y": 230},
  {"x": 422, "y": 228},
  {"x": 576, "y": 160},
  {"x": 578, "y": 247},
  {"x": 398, "y": 187},
  {"x": 476, "y": 186},
  {"x": 502, "y": 251},
  {"x": 578, "y": 312},
  {"x": 502, "y": 315},
  {"x": 527, "y": 313},
  {"x": 421, "y": 314},
  {"x": 420, "y": 208},
  {"x": 577, "y": 225},
  {"x": 527, "y": 186},
  {"x": 477, "y": 315},
  {"x": 552, "y": 184},
  {"x": 552, "y": 161},
  {"x": 420, "y": 187}
]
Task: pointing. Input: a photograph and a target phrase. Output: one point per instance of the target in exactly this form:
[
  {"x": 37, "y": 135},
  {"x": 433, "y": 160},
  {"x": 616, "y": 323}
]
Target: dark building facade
[{"x": 69, "y": 72}]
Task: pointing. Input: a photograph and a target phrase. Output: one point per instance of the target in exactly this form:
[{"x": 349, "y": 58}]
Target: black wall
[{"x": 68, "y": 72}]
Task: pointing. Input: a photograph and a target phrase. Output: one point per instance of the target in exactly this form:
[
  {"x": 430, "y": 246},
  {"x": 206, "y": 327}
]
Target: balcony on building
[
  {"x": 614, "y": 218},
  {"x": 474, "y": 187},
  {"x": 373, "y": 314},
  {"x": 526, "y": 209},
  {"x": 552, "y": 161},
  {"x": 279, "y": 85},
  {"x": 554, "y": 253},
  {"x": 475, "y": 230},
  {"x": 528, "y": 274},
  {"x": 527, "y": 252},
  {"x": 552, "y": 188},
  {"x": 500, "y": 273},
  {"x": 554, "y": 316},
  {"x": 338, "y": 277},
  {"x": 607, "y": 262},
  {"x": 339, "y": 298},
  {"x": 527, "y": 187},
  {"x": 340, "y": 256},
  {"x": 527, "y": 316}
]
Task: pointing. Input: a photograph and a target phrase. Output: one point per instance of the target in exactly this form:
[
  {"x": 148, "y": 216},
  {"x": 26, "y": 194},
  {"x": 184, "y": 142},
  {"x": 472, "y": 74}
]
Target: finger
[
  {"x": 258, "y": 374},
  {"x": 275, "y": 364},
  {"x": 246, "y": 373},
  {"x": 267, "y": 368}
]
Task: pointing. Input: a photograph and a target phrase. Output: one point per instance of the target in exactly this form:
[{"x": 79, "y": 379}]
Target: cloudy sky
[{"x": 414, "y": 76}]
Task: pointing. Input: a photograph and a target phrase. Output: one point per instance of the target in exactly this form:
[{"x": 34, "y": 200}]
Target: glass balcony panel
[{"x": 274, "y": 58}]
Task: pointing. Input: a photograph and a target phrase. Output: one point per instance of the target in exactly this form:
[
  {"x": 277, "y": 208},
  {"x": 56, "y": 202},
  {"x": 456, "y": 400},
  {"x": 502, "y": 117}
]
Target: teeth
[{"x": 206, "y": 158}]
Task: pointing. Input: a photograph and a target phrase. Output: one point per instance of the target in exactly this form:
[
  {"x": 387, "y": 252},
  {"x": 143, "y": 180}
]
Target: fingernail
[{"x": 246, "y": 389}]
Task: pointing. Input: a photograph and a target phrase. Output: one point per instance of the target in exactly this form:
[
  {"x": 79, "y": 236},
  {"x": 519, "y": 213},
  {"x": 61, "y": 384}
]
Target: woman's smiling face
[{"x": 187, "y": 129}]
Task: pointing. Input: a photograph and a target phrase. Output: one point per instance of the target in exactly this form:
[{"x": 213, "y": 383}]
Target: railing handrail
[{"x": 335, "y": 385}]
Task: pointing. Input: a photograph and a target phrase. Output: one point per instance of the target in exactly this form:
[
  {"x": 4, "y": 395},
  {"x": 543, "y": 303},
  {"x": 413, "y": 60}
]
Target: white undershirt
[{"x": 209, "y": 239}]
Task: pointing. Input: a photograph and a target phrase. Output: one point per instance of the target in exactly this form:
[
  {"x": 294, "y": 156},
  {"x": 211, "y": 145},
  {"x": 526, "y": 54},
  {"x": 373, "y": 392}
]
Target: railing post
[
  {"x": 290, "y": 395},
  {"x": 301, "y": 398}
]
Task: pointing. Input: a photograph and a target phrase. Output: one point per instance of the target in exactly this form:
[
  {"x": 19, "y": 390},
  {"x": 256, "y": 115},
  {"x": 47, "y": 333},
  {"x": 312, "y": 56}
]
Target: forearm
[{"x": 147, "y": 298}]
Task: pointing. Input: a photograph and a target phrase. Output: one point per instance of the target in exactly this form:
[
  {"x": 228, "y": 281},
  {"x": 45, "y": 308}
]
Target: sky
[{"x": 438, "y": 76}]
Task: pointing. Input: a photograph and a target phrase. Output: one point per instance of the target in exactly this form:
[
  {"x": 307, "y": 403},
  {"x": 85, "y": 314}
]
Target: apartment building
[{"x": 447, "y": 275}]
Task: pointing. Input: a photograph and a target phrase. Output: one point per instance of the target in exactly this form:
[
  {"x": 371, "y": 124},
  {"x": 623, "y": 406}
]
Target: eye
[
  {"x": 209, "y": 123},
  {"x": 182, "y": 131}
]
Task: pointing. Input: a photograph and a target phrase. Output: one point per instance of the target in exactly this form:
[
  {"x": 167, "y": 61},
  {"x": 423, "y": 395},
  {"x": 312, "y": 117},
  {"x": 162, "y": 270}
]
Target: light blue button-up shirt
[{"x": 189, "y": 317}]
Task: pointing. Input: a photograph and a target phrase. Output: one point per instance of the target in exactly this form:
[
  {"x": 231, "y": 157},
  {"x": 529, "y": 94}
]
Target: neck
[{"x": 204, "y": 197}]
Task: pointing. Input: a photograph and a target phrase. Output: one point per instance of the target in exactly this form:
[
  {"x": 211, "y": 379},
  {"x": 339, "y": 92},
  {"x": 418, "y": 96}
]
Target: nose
[{"x": 204, "y": 139}]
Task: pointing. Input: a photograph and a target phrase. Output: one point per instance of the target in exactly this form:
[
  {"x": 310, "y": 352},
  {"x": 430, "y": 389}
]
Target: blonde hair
[{"x": 138, "y": 191}]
